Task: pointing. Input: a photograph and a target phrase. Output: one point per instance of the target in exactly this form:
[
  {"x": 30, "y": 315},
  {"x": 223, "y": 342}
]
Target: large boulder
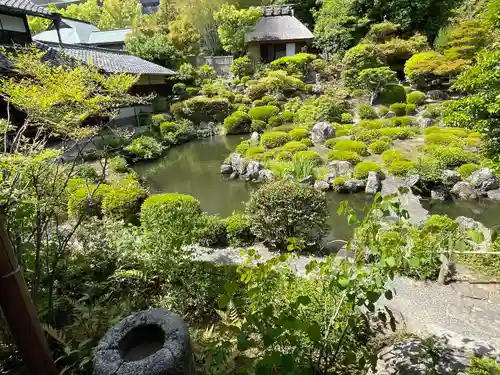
[
  {"x": 265, "y": 175},
  {"x": 425, "y": 122},
  {"x": 226, "y": 169},
  {"x": 338, "y": 168},
  {"x": 253, "y": 169},
  {"x": 483, "y": 180},
  {"x": 494, "y": 195},
  {"x": 322, "y": 131},
  {"x": 450, "y": 177},
  {"x": 464, "y": 190},
  {"x": 372, "y": 183},
  {"x": 239, "y": 163},
  {"x": 436, "y": 95},
  {"x": 353, "y": 186},
  {"x": 254, "y": 138},
  {"x": 440, "y": 193},
  {"x": 321, "y": 185}
]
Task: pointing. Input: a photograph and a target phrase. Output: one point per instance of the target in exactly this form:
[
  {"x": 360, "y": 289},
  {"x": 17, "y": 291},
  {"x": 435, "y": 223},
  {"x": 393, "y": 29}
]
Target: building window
[
  {"x": 11, "y": 23},
  {"x": 270, "y": 52}
]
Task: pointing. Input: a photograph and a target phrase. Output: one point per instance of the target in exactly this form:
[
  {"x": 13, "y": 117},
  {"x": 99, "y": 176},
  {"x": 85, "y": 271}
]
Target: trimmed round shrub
[
  {"x": 258, "y": 103},
  {"x": 179, "y": 88},
  {"x": 287, "y": 117},
  {"x": 338, "y": 181},
  {"x": 451, "y": 156},
  {"x": 283, "y": 128},
  {"x": 307, "y": 141},
  {"x": 346, "y": 118},
  {"x": 284, "y": 156},
  {"x": 439, "y": 223},
  {"x": 401, "y": 168},
  {"x": 274, "y": 139},
  {"x": 330, "y": 143},
  {"x": 348, "y": 145},
  {"x": 466, "y": 170},
  {"x": 367, "y": 112},
  {"x": 242, "y": 67},
  {"x": 416, "y": 97},
  {"x": 410, "y": 109},
  {"x": 87, "y": 172},
  {"x": 294, "y": 146},
  {"x": 382, "y": 110},
  {"x": 392, "y": 93},
  {"x": 385, "y": 139},
  {"x": 349, "y": 156},
  {"x": 258, "y": 126},
  {"x": 171, "y": 215},
  {"x": 361, "y": 169},
  {"x": 264, "y": 156},
  {"x": 202, "y": 109},
  {"x": 432, "y": 111},
  {"x": 263, "y": 113},
  {"x": 441, "y": 138},
  {"x": 275, "y": 121},
  {"x": 343, "y": 130},
  {"x": 370, "y": 124},
  {"x": 192, "y": 91},
  {"x": 309, "y": 156},
  {"x": 144, "y": 147},
  {"x": 210, "y": 231},
  {"x": 379, "y": 146},
  {"x": 86, "y": 201},
  {"x": 298, "y": 133},
  {"x": 284, "y": 209},
  {"x": 243, "y": 147},
  {"x": 124, "y": 201},
  {"x": 391, "y": 156},
  {"x": 168, "y": 127},
  {"x": 157, "y": 119},
  {"x": 118, "y": 164},
  {"x": 398, "y": 133},
  {"x": 398, "y": 108},
  {"x": 238, "y": 123},
  {"x": 367, "y": 135},
  {"x": 253, "y": 151},
  {"x": 403, "y": 121},
  {"x": 238, "y": 230}
]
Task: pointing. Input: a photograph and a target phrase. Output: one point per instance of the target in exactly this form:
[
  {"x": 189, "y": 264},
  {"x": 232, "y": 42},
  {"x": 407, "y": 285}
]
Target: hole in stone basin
[{"x": 141, "y": 342}]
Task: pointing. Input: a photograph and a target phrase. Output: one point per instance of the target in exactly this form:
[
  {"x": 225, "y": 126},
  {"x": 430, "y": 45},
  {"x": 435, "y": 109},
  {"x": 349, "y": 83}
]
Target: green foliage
[
  {"x": 282, "y": 209},
  {"x": 416, "y": 97},
  {"x": 393, "y": 93},
  {"x": 238, "y": 230},
  {"x": 118, "y": 164},
  {"x": 401, "y": 168},
  {"x": 156, "y": 48},
  {"x": 359, "y": 58},
  {"x": 254, "y": 151},
  {"x": 201, "y": 109},
  {"x": 233, "y": 24},
  {"x": 179, "y": 88},
  {"x": 144, "y": 147},
  {"x": 308, "y": 142},
  {"x": 346, "y": 118},
  {"x": 466, "y": 170},
  {"x": 166, "y": 128},
  {"x": 348, "y": 145},
  {"x": 442, "y": 138},
  {"x": 258, "y": 126},
  {"x": 367, "y": 112},
  {"x": 210, "y": 231},
  {"x": 309, "y": 156},
  {"x": 438, "y": 223},
  {"x": 396, "y": 50},
  {"x": 242, "y": 66},
  {"x": 298, "y": 134},
  {"x": 324, "y": 108},
  {"x": 297, "y": 64},
  {"x": 274, "y": 121},
  {"x": 284, "y": 156},
  {"x": 392, "y": 155},
  {"x": 375, "y": 79},
  {"x": 380, "y": 32},
  {"x": 274, "y": 139},
  {"x": 432, "y": 111},
  {"x": 238, "y": 123},
  {"x": 87, "y": 172},
  {"x": 429, "y": 168},
  {"x": 361, "y": 169},
  {"x": 294, "y": 146},
  {"x": 124, "y": 201},
  {"x": 451, "y": 156},
  {"x": 410, "y": 109},
  {"x": 287, "y": 116},
  {"x": 157, "y": 119},
  {"x": 483, "y": 366},
  {"x": 382, "y": 111},
  {"x": 87, "y": 201},
  {"x": 399, "y": 133},
  {"x": 379, "y": 146},
  {"x": 349, "y": 156},
  {"x": 263, "y": 113},
  {"x": 398, "y": 108}
]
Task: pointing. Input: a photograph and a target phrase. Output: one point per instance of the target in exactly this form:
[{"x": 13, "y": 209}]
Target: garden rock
[
  {"x": 468, "y": 224},
  {"x": 321, "y": 132},
  {"x": 149, "y": 342},
  {"x": 234, "y": 176},
  {"x": 238, "y": 162},
  {"x": 494, "y": 195},
  {"x": 321, "y": 185},
  {"x": 450, "y": 177},
  {"x": 253, "y": 169},
  {"x": 309, "y": 180},
  {"x": 483, "y": 180},
  {"x": 436, "y": 95},
  {"x": 372, "y": 183},
  {"x": 226, "y": 169},
  {"x": 440, "y": 193},
  {"x": 390, "y": 114},
  {"x": 254, "y": 138},
  {"x": 425, "y": 122},
  {"x": 353, "y": 186},
  {"x": 340, "y": 168},
  {"x": 464, "y": 190},
  {"x": 265, "y": 175}
]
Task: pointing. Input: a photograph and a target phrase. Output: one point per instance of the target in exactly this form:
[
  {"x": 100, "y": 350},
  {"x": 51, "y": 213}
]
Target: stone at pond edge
[
  {"x": 321, "y": 185},
  {"x": 372, "y": 183},
  {"x": 309, "y": 180},
  {"x": 254, "y": 138},
  {"x": 390, "y": 114},
  {"x": 265, "y": 175},
  {"x": 234, "y": 176},
  {"x": 238, "y": 162},
  {"x": 321, "y": 132},
  {"x": 464, "y": 190},
  {"x": 338, "y": 168},
  {"x": 353, "y": 186},
  {"x": 494, "y": 194},
  {"x": 468, "y": 224},
  {"x": 450, "y": 177},
  {"x": 226, "y": 169},
  {"x": 253, "y": 169},
  {"x": 483, "y": 180},
  {"x": 425, "y": 122},
  {"x": 440, "y": 193}
]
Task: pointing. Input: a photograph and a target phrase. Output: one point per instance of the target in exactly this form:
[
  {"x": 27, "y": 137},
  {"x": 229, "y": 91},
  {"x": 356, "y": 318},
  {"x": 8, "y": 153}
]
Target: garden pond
[{"x": 194, "y": 168}]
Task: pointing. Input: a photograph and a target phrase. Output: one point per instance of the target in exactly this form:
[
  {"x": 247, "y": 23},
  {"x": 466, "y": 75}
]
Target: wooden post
[{"x": 20, "y": 313}]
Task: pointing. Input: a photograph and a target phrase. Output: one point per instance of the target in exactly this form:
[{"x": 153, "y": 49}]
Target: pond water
[{"x": 194, "y": 168}]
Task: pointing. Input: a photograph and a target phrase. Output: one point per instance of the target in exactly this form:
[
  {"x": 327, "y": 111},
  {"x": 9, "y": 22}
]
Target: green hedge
[
  {"x": 144, "y": 147},
  {"x": 398, "y": 108},
  {"x": 210, "y": 231},
  {"x": 298, "y": 134},
  {"x": 263, "y": 113},
  {"x": 274, "y": 139},
  {"x": 238, "y": 230},
  {"x": 202, "y": 109},
  {"x": 416, "y": 97},
  {"x": 294, "y": 146},
  {"x": 124, "y": 201},
  {"x": 367, "y": 112},
  {"x": 391, "y": 156},
  {"x": 393, "y": 93},
  {"x": 349, "y": 156},
  {"x": 361, "y": 169},
  {"x": 379, "y": 146},
  {"x": 237, "y": 123},
  {"x": 466, "y": 170},
  {"x": 401, "y": 168},
  {"x": 348, "y": 145},
  {"x": 86, "y": 201}
]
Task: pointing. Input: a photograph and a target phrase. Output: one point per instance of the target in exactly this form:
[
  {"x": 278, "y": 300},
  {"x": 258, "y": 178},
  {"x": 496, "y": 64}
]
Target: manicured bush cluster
[
  {"x": 202, "y": 109},
  {"x": 294, "y": 64},
  {"x": 284, "y": 209},
  {"x": 308, "y": 156},
  {"x": 287, "y": 116},
  {"x": 361, "y": 170},
  {"x": 253, "y": 151},
  {"x": 210, "y": 231},
  {"x": 348, "y": 145},
  {"x": 87, "y": 172},
  {"x": 274, "y": 121},
  {"x": 379, "y": 146},
  {"x": 258, "y": 126},
  {"x": 238, "y": 123},
  {"x": 349, "y": 156},
  {"x": 398, "y": 133},
  {"x": 466, "y": 170},
  {"x": 451, "y": 156},
  {"x": 118, "y": 164},
  {"x": 157, "y": 119},
  {"x": 168, "y": 127},
  {"x": 429, "y": 168},
  {"x": 144, "y": 147},
  {"x": 393, "y": 93},
  {"x": 366, "y": 112},
  {"x": 298, "y": 134},
  {"x": 442, "y": 138},
  {"x": 382, "y": 110},
  {"x": 263, "y": 113},
  {"x": 398, "y": 108},
  {"x": 410, "y": 109},
  {"x": 86, "y": 201},
  {"x": 308, "y": 142},
  {"x": 284, "y": 156},
  {"x": 343, "y": 130},
  {"x": 401, "y": 168},
  {"x": 243, "y": 147},
  {"x": 238, "y": 230},
  {"x": 274, "y": 139},
  {"x": 391, "y": 156},
  {"x": 416, "y": 97},
  {"x": 242, "y": 67},
  {"x": 179, "y": 88},
  {"x": 124, "y": 200},
  {"x": 439, "y": 223},
  {"x": 374, "y": 124},
  {"x": 346, "y": 118},
  {"x": 294, "y": 146}
]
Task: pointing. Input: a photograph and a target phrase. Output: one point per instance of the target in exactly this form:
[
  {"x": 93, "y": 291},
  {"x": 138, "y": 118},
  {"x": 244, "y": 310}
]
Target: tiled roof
[
  {"x": 25, "y": 6},
  {"x": 276, "y": 10},
  {"x": 279, "y": 28}
]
